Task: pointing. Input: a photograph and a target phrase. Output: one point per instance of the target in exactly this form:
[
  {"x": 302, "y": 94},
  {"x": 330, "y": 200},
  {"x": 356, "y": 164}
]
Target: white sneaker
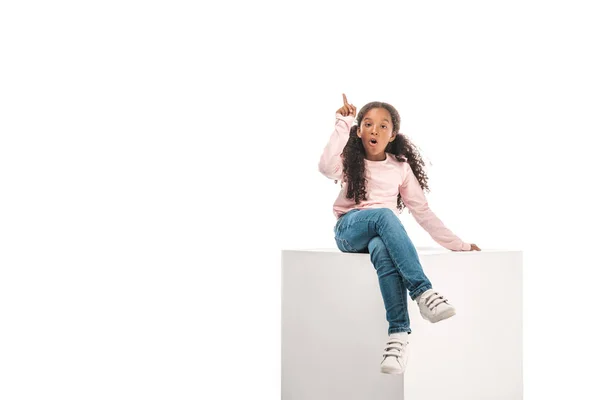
[
  {"x": 395, "y": 357},
  {"x": 434, "y": 307}
]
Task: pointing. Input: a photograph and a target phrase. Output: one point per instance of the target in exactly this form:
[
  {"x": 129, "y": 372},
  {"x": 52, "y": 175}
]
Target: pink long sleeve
[
  {"x": 330, "y": 163},
  {"x": 414, "y": 199}
]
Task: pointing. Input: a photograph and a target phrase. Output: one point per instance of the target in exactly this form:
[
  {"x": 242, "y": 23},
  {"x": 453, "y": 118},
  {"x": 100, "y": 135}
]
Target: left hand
[{"x": 474, "y": 247}]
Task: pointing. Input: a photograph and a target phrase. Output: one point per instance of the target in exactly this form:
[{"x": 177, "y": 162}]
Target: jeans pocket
[
  {"x": 344, "y": 246},
  {"x": 337, "y": 226},
  {"x": 340, "y": 245}
]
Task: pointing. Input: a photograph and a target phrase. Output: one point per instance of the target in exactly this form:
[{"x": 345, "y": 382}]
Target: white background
[{"x": 155, "y": 157}]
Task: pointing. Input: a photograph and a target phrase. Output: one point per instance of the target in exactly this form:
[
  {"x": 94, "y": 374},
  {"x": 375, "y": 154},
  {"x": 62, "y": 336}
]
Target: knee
[
  {"x": 376, "y": 245},
  {"x": 386, "y": 217},
  {"x": 384, "y": 214}
]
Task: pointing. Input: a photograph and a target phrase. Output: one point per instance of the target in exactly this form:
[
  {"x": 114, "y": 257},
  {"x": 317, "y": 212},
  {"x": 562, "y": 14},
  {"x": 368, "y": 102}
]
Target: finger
[
  {"x": 345, "y": 100},
  {"x": 353, "y": 109}
]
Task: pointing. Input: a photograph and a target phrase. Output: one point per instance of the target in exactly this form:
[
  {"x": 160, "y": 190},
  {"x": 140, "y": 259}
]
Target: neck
[{"x": 377, "y": 157}]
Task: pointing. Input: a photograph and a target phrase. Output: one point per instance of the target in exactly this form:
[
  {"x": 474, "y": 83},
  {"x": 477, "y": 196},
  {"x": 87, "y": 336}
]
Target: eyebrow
[{"x": 385, "y": 119}]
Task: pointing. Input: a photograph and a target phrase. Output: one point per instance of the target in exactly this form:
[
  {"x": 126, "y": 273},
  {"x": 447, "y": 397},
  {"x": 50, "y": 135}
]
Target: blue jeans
[{"x": 379, "y": 232}]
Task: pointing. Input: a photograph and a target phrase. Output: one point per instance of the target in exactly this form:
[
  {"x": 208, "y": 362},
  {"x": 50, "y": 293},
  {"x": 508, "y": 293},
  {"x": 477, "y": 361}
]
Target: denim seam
[
  {"x": 402, "y": 299},
  {"x": 396, "y": 263}
]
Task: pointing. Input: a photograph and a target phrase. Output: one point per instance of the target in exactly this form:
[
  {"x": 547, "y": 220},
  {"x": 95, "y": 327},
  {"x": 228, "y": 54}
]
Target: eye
[
  {"x": 367, "y": 124},
  {"x": 384, "y": 126}
]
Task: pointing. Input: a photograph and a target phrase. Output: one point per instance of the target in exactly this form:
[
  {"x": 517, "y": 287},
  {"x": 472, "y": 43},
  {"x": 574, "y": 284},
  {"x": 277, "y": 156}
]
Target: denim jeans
[{"x": 379, "y": 232}]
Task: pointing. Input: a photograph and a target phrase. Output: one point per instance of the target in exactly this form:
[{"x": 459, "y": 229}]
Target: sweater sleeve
[
  {"x": 414, "y": 199},
  {"x": 330, "y": 163}
]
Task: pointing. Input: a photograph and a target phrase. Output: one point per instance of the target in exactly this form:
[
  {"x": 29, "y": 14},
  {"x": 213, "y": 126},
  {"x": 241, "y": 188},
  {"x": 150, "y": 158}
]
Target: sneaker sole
[
  {"x": 391, "y": 371},
  {"x": 445, "y": 315}
]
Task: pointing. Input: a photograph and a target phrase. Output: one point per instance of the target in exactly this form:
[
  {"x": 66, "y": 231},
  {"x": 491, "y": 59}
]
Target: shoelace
[
  {"x": 434, "y": 299},
  {"x": 394, "y": 344}
]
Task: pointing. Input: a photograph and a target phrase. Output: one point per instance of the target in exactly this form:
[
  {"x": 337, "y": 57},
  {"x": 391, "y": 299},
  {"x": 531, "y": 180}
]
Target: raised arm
[{"x": 330, "y": 163}]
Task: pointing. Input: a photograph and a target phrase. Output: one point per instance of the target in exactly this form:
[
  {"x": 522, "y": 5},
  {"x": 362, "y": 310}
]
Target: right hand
[{"x": 347, "y": 109}]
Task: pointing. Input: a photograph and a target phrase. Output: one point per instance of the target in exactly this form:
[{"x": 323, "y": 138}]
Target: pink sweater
[{"x": 384, "y": 180}]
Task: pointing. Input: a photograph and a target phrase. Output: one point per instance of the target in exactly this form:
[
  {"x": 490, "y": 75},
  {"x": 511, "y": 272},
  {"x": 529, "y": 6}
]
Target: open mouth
[{"x": 373, "y": 142}]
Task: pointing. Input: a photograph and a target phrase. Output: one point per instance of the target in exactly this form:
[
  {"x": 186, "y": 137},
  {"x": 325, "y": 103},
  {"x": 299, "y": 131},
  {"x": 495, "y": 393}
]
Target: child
[{"x": 381, "y": 171}]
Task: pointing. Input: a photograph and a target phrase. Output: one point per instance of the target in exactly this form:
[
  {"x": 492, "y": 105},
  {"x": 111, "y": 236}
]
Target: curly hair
[{"x": 354, "y": 154}]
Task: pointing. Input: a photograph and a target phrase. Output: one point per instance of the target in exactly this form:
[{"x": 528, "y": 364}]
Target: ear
[
  {"x": 358, "y": 132},
  {"x": 393, "y": 137}
]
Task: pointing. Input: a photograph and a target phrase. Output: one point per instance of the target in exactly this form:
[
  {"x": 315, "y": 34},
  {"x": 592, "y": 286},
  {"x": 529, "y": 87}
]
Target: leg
[
  {"x": 354, "y": 231},
  {"x": 392, "y": 286}
]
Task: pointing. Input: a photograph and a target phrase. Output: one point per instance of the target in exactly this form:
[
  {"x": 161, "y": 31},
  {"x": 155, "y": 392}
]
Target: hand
[
  {"x": 474, "y": 247},
  {"x": 347, "y": 109}
]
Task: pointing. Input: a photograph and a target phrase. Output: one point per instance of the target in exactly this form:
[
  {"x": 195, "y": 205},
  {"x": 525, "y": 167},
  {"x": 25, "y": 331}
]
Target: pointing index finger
[{"x": 345, "y": 100}]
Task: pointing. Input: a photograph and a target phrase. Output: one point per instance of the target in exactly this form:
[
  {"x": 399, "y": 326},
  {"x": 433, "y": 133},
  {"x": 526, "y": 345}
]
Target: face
[{"x": 375, "y": 131}]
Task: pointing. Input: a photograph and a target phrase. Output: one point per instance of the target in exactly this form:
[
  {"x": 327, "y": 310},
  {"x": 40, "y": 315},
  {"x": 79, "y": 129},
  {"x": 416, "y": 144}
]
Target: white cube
[{"x": 334, "y": 328}]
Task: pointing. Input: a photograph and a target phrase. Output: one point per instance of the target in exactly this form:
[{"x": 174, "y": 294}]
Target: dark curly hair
[{"x": 354, "y": 154}]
